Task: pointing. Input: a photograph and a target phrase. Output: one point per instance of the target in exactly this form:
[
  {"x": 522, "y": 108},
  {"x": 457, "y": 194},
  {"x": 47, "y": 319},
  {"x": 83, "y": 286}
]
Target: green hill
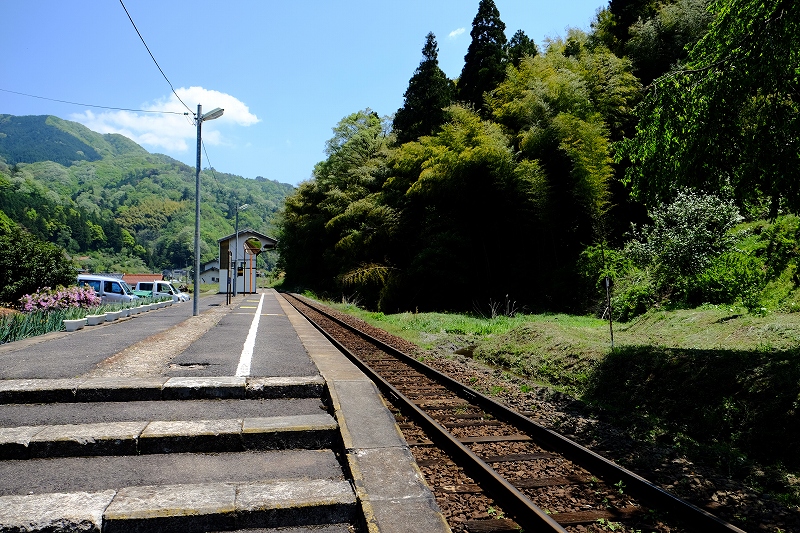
[
  {"x": 34, "y": 138},
  {"x": 114, "y": 205}
]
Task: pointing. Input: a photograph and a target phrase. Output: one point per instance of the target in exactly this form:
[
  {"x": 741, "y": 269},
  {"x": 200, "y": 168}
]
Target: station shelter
[{"x": 237, "y": 256}]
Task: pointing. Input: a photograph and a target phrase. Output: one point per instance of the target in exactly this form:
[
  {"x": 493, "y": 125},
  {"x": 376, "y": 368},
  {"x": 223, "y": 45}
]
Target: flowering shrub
[{"x": 60, "y": 298}]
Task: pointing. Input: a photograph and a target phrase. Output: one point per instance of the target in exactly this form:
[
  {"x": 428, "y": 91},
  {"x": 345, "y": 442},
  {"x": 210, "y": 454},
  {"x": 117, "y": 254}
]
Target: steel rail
[
  {"x": 697, "y": 518},
  {"x": 526, "y": 513}
]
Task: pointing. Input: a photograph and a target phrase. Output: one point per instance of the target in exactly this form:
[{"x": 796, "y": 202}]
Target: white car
[
  {"x": 108, "y": 288},
  {"x": 162, "y": 288}
]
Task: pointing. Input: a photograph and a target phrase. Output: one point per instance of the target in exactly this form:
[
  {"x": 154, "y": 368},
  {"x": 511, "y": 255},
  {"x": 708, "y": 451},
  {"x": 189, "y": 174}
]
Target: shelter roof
[{"x": 267, "y": 242}]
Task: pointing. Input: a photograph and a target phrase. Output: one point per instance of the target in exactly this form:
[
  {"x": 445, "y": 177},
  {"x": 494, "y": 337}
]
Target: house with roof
[
  {"x": 237, "y": 259},
  {"x": 209, "y": 272}
]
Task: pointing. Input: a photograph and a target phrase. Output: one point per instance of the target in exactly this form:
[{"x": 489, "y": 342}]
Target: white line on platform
[{"x": 247, "y": 350}]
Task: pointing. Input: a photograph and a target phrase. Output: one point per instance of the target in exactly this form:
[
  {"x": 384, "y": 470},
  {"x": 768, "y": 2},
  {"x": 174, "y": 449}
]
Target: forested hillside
[
  {"x": 113, "y": 206},
  {"x": 659, "y": 149}
]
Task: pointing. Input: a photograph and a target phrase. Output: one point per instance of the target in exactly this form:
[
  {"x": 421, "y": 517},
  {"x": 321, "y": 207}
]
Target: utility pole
[
  {"x": 196, "y": 299},
  {"x": 211, "y": 115},
  {"x": 236, "y": 248}
]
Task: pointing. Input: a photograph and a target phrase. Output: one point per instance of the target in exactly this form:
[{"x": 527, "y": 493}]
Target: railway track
[{"x": 493, "y": 469}]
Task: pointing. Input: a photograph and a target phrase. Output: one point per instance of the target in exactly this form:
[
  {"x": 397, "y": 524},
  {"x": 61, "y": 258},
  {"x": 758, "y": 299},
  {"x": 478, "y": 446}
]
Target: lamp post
[
  {"x": 211, "y": 115},
  {"x": 236, "y": 249}
]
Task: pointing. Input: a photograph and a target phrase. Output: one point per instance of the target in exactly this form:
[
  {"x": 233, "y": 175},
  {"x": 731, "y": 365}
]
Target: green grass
[{"x": 426, "y": 329}]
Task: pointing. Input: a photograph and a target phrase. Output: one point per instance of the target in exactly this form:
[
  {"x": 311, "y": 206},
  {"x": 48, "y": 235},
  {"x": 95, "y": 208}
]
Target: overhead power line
[
  {"x": 153, "y": 57},
  {"x": 209, "y": 162},
  {"x": 93, "y": 105}
]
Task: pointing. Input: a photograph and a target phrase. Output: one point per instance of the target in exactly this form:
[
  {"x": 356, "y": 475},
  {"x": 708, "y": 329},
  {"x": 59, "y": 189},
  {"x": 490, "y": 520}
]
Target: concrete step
[
  {"x": 152, "y": 389},
  {"x": 51, "y": 414},
  {"x": 171, "y": 454},
  {"x": 314, "y": 431},
  {"x": 100, "y": 473},
  {"x": 185, "y": 508}
]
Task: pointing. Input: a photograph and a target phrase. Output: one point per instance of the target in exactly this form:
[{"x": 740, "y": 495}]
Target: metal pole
[
  {"x": 228, "y": 291},
  {"x": 196, "y": 302},
  {"x": 608, "y": 304},
  {"x": 236, "y": 254}
]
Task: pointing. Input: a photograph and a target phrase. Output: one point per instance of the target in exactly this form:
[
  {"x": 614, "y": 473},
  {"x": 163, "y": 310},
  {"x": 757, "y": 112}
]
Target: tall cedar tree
[
  {"x": 429, "y": 92},
  {"x": 484, "y": 64},
  {"x": 520, "y": 46}
]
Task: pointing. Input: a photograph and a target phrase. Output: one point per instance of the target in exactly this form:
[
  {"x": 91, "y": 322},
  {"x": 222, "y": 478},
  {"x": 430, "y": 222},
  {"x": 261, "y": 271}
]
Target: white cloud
[
  {"x": 455, "y": 33},
  {"x": 172, "y": 133}
]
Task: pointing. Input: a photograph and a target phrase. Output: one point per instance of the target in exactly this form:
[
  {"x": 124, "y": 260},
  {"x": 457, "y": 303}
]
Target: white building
[
  {"x": 243, "y": 252},
  {"x": 209, "y": 272}
]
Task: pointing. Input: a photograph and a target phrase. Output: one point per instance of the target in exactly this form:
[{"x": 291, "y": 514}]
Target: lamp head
[{"x": 214, "y": 113}]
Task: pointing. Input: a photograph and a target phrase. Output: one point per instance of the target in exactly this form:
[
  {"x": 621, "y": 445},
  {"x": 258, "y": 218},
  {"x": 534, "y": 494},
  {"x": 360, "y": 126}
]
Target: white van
[
  {"x": 162, "y": 288},
  {"x": 108, "y": 288}
]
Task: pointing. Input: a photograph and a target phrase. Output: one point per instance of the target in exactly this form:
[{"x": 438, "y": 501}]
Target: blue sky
[{"x": 285, "y": 72}]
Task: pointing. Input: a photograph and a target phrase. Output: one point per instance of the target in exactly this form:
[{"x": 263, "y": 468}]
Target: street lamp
[
  {"x": 236, "y": 249},
  {"x": 211, "y": 115}
]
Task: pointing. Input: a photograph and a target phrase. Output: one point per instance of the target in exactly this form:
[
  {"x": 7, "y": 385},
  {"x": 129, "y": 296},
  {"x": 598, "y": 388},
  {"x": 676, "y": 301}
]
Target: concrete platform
[{"x": 302, "y": 440}]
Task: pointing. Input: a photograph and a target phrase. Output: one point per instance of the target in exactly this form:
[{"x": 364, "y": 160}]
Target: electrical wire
[
  {"x": 214, "y": 174},
  {"x": 153, "y": 57},
  {"x": 92, "y": 105}
]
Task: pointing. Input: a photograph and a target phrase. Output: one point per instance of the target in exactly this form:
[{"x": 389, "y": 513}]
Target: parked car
[
  {"x": 108, "y": 288},
  {"x": 160, "y": 288}
]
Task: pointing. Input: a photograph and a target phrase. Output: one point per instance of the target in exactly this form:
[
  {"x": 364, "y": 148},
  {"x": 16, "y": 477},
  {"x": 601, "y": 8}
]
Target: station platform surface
[{"x": 244, "y": 417}]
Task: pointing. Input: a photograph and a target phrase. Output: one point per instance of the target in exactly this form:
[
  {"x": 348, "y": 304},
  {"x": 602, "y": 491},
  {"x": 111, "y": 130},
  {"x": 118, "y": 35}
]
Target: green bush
[
  {"x": 598, "y": 261},
  {"x": 633, "y": 294},
  {"x": 687, "y": 257},
  {"x": 781, "y": 244},
  {"x": 684, "y": 238},
  {"x": 28, "y": 264},
  {"x": 732, "y": 276}
]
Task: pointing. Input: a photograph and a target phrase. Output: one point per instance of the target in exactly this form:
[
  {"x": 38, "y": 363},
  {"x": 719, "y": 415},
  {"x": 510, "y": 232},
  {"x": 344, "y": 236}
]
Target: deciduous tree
[
  {"x": 331, "y": 225},
  {"x": 28, "y": 264},
  {"x": 661, "y": 42},
  {"x": 730, "y": 119},
  {"x": 560, "y": 108}
]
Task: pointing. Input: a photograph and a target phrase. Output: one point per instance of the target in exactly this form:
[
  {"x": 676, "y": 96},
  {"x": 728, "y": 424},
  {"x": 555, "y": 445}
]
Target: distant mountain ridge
[
  {"x": 33, "y": 138},
  {"x": 104, "y": 195}
]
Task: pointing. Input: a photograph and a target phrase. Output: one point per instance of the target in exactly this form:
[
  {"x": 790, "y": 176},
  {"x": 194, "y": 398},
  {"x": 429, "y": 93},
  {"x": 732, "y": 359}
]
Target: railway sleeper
[
  {"x": 517, "y": 457},
  {"x": 463, "y": 416},
  {"x": 444, "y": 404},
  {"x": 472, "y": 423},
  {"x": 481, "y": 439},
  {"x": 492, "y": 525},
  {"x": 577, "y": 518}
]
